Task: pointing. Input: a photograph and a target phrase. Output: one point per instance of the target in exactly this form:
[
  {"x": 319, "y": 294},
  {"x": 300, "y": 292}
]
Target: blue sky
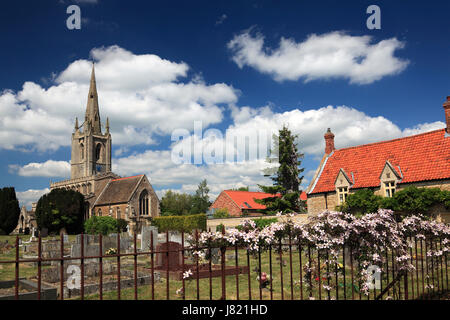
[{"x": 234, "y": 65}]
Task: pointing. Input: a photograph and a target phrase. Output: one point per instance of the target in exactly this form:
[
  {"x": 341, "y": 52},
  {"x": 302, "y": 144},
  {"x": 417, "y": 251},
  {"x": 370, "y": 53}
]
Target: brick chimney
[
  {"x": 329, "y": 141},
  {"x": 447, "y": 114}
]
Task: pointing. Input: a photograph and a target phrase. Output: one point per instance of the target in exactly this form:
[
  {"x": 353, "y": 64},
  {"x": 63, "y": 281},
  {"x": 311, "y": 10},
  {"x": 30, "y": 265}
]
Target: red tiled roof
[
  {"x": 416, "y": 158},
  {"x": 240, "y": 197}
]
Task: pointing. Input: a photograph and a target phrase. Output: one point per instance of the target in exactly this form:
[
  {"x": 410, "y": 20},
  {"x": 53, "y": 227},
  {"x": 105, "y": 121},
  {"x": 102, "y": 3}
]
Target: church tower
[{"x": 91, "y": 149}]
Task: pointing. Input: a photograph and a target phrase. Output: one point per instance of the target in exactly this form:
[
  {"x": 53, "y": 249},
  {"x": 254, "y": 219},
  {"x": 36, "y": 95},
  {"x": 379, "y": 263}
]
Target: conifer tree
[{"x": 286, "y": 176}]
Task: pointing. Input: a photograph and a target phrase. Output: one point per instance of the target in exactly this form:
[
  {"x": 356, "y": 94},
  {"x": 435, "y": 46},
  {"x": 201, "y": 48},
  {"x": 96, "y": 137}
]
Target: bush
[
  {"x": 361, "y": 202},
  {"x": 413, "y": 200},
  {"x": 410, "y": 200},
  {"x": 9, "y": 210},
  {"x": 262, "y": 223},
  {"x": 122, "y": 225},
  {"x": 220, "y": 228},
  {"x": 101, "y": 225},
  {"x": 61, "y": 209},
  {"x": 221, "y": 213},
  {"x": 180, "y": 223}
]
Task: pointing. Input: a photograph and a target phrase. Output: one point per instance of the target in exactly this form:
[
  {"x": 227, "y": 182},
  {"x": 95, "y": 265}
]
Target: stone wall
[{"x": 233, "y": 222}]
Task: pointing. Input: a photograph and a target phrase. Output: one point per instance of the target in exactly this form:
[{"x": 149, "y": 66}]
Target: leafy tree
[
  {"x": 286, "y": 177},
  {"x": 200, "y": 201},
  {"x": 173, "y": 203},
  {"x": 61, "y": 209},
  {"x": 9, "y": 210},
  {"x": 101, "y": 225}
]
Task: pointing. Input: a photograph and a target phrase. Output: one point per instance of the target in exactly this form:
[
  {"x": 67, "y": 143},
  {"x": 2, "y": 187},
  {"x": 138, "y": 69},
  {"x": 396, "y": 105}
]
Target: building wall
[{"x": 224, "y": 201}]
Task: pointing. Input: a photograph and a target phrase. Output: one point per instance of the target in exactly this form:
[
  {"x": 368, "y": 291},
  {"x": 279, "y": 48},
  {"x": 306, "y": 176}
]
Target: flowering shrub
[{"x": 369, "y": 238}]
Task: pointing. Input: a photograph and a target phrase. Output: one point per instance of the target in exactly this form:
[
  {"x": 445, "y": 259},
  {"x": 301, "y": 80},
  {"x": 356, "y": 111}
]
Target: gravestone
[
  {"x": 111, "y": 242},
  {"x": 173, "y": 259},
  {"x": 66, "y": 238},
  {"x": 44, "y": 232},
  {"x": 146, "y": 233}
]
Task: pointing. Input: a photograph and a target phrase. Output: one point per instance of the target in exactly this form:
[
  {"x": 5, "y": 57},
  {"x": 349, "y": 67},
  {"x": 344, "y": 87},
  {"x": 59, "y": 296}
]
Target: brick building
[
  {"x": 421, "y": 160},
  {"x": 242, "y": 202}
]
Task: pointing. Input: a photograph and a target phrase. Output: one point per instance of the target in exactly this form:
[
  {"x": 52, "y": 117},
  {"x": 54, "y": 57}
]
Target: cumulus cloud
[
  {"x": 163, "y": 173},
  {"x": 142, "y": 94},
  {"x": 48, "y": 168},
  {"x": 350, "y": 126},
  {"x": 326, "y": 56},
  {"x": 29, "y": 196}
]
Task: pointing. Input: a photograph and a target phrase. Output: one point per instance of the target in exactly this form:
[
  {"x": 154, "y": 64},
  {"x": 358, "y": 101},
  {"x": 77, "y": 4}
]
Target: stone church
[{"x": 106, "y": 193}]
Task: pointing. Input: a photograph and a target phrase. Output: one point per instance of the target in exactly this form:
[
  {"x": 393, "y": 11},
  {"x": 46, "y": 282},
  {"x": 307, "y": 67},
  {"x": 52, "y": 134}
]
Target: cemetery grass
[
  {"x": 26, "y": 270},
  {"x": 160, "y": 291}
]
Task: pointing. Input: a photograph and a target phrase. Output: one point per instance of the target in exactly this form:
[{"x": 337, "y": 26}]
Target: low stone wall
[{"x": 234, "y": 222}]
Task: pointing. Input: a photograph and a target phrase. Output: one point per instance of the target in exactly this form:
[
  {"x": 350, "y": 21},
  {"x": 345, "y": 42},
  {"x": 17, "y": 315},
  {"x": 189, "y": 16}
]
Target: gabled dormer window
[
  {"x": 342, "y": 184},
  {"x": 389, "y": 178}
]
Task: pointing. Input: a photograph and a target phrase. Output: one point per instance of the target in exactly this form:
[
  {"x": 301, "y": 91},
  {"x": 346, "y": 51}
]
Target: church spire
[{"x": 92, "y": 109}]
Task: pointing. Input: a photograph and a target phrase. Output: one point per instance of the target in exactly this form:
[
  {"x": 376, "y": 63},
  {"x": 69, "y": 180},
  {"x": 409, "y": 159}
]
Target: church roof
[
  {"x": 118, "y": 190},
  {"x": 420, "y": 157}
]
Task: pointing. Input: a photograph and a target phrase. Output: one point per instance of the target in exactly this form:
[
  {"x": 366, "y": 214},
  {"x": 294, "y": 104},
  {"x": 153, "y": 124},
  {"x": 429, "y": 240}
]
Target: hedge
[{"x": 180, "y": 223}]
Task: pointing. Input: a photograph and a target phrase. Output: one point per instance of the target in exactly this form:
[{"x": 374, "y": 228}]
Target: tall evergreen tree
[
  {"x": 286, "y": 176},
  {"x": 200, "y": 201},
  {"x": 9, "y": 210}
]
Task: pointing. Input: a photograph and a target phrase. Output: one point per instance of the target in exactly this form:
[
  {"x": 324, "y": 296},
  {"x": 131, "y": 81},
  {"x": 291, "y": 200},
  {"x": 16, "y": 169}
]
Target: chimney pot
[
  {"x": 446, "y": 106},
  {"x": 329, "y": 141}
]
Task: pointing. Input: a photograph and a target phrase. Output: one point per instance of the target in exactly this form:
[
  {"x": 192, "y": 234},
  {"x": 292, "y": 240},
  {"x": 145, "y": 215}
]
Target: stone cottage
[{"x": 421, "y": 160}]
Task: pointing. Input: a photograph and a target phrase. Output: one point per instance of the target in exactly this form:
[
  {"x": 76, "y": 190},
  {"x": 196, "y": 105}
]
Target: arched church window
[
  {"x": 143, "y": 203},
  {"x": 99, "y": 212},
  {"x": 82, "y": 151},
  {"x": 98, "y": 151},
  {"x": 117, "y": 213}
]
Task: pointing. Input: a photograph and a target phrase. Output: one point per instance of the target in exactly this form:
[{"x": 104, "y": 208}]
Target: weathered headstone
[
  {"x": 111, "y": 242},
  {"x": 146, "y": 233},
  {"x": 169, "y": 254}
]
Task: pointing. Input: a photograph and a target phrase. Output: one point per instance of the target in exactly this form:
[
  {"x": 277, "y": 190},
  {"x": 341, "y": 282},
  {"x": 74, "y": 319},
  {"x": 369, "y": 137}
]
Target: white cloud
[
  {"x": 221, "y": 19},
  {"x": 330, "y": 55},
  {"x": 142, "y": 94},
  {"x": 424, "y": 127},
  {"x": 29, "y": 196},
  {"x": 48, "y": 168},
  {"x": 350, "y": 126}
]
